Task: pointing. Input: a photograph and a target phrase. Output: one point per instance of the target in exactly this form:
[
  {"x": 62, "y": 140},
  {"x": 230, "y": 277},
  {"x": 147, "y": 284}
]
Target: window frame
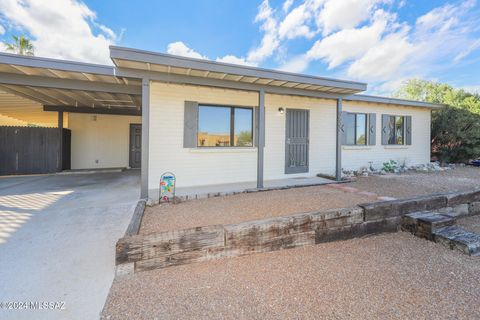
[
  {"x": 231, "y": 124},
  {"x": 395, "y": 138},
  {"x": 355, "y": 129}
]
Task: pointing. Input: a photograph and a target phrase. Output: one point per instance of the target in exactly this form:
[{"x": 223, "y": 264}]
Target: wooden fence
[{"x": 33, "y": 150}]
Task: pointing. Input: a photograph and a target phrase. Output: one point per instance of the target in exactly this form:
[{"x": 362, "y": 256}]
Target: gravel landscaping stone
[
  {"x": 412, "y": 184},
  {"x": 245, "y": 207},
  {"x": 259, "y": 205},
  {"x": 390, "y": 276},
  {"x": 471, "y": 224}
]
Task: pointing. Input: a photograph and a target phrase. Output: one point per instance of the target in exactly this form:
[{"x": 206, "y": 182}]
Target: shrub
[
  {"x": 389, "y": 166},
  {"x": 456, "y": 127}
]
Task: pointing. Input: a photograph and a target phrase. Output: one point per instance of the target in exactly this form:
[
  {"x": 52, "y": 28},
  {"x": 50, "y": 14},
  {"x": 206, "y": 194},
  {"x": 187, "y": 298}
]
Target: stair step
[
  {"x": 458, "y": 238},
  {"x": 425, "y": 223}
]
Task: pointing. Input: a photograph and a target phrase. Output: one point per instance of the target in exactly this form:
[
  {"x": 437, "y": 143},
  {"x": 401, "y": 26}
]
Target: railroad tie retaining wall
[{"x": 170, "y": 248}]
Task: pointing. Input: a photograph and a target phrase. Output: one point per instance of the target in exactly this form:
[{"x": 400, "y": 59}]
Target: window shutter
[
  {"x": 372, "y": 129},
  {"x": 385, "y": 129},
  {"x": 342, "y": 128},
  {"x": 256, "y": 110},
  {"x": 190, "y": 124},
  {"x": 408, "y": 130}
]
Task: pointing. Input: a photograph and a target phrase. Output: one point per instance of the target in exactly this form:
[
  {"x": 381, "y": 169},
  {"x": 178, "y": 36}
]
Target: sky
[{"x": 381, "y": 42}]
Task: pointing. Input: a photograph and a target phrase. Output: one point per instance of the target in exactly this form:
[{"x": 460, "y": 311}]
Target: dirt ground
[
  {"x": 250, "y": 206},
  {"x": 390, "y": 276}
]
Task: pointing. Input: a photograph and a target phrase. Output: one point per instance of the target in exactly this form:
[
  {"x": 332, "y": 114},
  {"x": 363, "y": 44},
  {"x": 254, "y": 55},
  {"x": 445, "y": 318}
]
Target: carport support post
[
  {"x": 338, "y": 158},
  {"x": 145, "y": 130},
  {"x": 261, "y": 137},
  {"x": 60, "y": 145}
]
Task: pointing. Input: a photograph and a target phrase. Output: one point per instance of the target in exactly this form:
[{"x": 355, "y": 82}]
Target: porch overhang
[{"x": 176, "y": 68}]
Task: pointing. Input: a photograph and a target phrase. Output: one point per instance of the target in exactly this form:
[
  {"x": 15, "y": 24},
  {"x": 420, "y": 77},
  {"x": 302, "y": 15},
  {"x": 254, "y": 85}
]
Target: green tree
[
  {"x": 456, "y": 127},
  {"x": 20, "y": 45}
]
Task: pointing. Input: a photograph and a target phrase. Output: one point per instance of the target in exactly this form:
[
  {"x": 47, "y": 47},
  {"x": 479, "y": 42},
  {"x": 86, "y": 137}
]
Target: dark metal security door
[
  {"x": 135, "y": 145},
  {"x": 296, "y": 143}
]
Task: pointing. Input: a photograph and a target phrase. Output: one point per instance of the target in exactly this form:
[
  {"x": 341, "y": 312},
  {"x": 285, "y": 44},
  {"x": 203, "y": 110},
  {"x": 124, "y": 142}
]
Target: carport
[{"x": 43, "y": 101}]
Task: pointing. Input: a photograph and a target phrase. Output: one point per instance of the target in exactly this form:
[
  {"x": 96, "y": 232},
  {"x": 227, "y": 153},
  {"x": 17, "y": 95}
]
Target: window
[
  {"x": 396, "y": 130},
  {"x": 222, "y": 126},
  {"x": 356, "y": 129}
]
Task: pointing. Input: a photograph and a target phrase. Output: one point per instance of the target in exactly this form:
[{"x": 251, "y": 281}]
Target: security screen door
[{"x": 296, "y": 143}]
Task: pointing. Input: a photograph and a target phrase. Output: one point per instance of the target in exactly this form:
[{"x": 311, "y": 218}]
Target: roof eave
[
  {"x": 129, "y": 54},
  {"x": 394, "y": 101},
  {"x": 57, "y": 64}
]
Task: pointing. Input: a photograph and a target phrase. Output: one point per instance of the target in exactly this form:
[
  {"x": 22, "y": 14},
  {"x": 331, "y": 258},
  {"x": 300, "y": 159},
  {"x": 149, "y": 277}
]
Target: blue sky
[{"x": 382, "y": 42}]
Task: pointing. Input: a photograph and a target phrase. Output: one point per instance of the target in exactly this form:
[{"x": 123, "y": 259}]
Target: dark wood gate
[{"x": 32, "y": 150}]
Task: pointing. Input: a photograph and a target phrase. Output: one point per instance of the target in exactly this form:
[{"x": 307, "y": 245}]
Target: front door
[
  {"x": 135, "y": 145},
  {"x": 296, "y": 142}
]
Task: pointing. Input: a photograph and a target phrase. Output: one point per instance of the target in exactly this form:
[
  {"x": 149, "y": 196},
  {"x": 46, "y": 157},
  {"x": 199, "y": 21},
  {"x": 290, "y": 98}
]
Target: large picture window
[
  {"x": 397, "y": 130},
  {"x": 224, "y": 126},
  {"x": 356, "y": 128}
]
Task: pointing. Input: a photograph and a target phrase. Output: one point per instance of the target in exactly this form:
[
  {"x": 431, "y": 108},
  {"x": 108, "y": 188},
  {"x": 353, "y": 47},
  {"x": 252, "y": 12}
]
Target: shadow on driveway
[{"x": 57, "y": 240}]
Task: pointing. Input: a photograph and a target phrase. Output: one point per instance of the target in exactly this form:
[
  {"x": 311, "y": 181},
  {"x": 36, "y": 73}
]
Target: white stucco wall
[
  {"x": 354, "y": 157},
  {"x": 196, "y": 167},
  {"x": 100, "y": 137},
  {"x": 193, "y": 166},
  {"x": 227, "y": 165},
  {"x": 322, "y": 135}
]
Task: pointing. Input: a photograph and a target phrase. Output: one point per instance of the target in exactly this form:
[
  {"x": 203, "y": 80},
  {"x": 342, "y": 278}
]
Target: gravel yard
[
  {"x": 244, "y": 207},
  {"x": 414, "y": 184},
  {"x": 250, "y": 206},
  {"x": 471, "y": 224},
  {"x": 390, "y": 276}
]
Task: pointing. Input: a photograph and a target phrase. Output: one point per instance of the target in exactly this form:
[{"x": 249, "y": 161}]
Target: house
[{"x": 207, "y": 122}]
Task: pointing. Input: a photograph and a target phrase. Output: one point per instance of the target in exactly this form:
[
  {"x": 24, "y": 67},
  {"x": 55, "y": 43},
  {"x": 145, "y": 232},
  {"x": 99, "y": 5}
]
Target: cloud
[
  {"x": 376, "y": 46},
  {"x": 297, "y": 64},
  {"x": 2, "y": 30},
  {"x": 295, "y": 23},
  {"x": 471, "y": 48},
  {"x": 235, "y": 60},
  {"x": 345, "y": 14},
  {"x": 65, "y": 29},
  {"x": 349, "y": 44},
  {"x": 181, "y": 49},
  {"x": 270, "y": 41},
  {"x": 286, "y": 5},
  {"x": 384, "y": 59}
]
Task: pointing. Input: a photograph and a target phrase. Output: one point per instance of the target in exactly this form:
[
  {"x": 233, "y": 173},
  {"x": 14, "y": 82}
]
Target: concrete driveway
[{"x": 57, "y": 240}]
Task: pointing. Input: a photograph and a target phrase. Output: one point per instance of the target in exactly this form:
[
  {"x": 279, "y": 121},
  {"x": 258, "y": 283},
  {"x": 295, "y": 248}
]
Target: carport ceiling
[
  {"x": 65, "y": 83},
  {"x": 25, "y": 110}
]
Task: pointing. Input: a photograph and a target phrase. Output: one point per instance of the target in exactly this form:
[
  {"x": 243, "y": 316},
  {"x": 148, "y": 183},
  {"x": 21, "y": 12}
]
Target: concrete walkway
[
  {"x": 230, "y": 188},
  {"x": 57, "y": 240}
]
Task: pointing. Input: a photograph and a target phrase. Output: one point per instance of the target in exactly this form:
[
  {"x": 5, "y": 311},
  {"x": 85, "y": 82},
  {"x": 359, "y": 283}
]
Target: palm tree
[{"x": 21, "y": 45}]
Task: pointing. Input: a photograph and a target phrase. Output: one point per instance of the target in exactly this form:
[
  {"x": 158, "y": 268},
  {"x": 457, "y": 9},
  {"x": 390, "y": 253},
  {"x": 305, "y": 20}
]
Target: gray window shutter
[
  {"x": 190, "y": 124},
  {"x": 342, "y": 128},
  {"x": 385, "y": 129},
  {"x": 256, "y": 110},
  {"x": 372, "y": 129},
  {"x": 408, "y": 130}
]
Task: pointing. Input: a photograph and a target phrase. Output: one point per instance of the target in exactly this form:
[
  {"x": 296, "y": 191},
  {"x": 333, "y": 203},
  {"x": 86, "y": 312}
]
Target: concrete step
[
  {"x": 423, "y": 224},
  {"x": 458, "y": 238}
]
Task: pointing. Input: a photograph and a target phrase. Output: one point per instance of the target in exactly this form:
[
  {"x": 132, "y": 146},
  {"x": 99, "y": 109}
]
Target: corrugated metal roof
[{"x": 170, "y": 64}]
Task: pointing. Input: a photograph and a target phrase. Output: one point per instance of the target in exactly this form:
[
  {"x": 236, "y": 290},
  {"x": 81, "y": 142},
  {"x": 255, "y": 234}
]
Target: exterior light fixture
[{"x": 281, "y": 110}]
